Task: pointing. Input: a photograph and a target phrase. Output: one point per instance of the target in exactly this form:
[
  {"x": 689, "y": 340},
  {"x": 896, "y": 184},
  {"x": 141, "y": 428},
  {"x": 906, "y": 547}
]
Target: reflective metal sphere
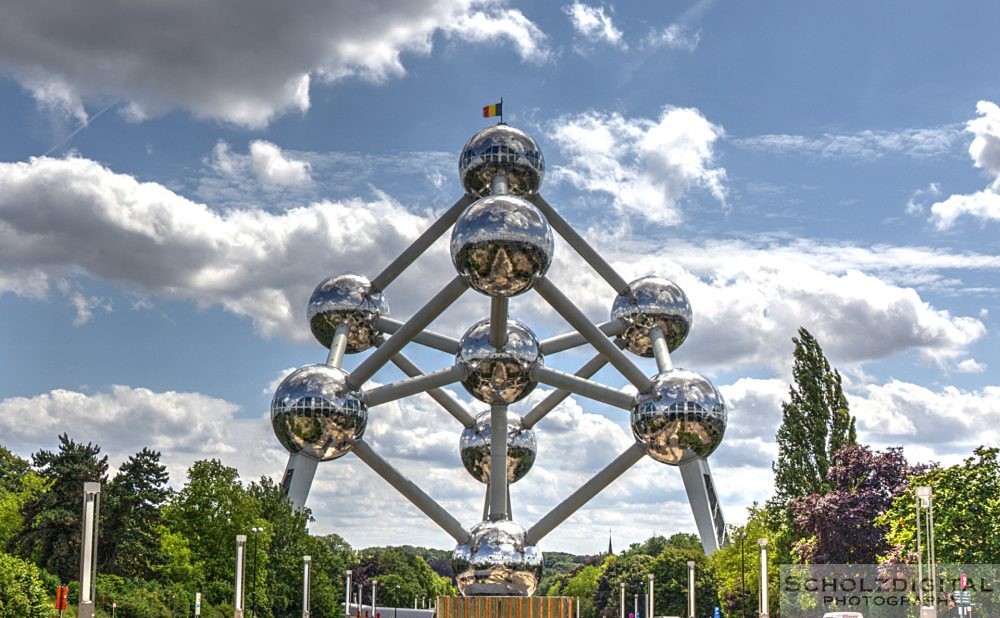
[
  {"x": 497, "y": 561},
  {"x": 501, "y": 148},
  {"x": 682, "y": 416},
  {"x": 501, "y": 244},
  {"x": 498, "y": 376},
  {"x": 346, "y": 298},
  {"x": 653, "y": 301},
  {"x": 474, "y": 447},
  {"x": 315, "y": 413}
]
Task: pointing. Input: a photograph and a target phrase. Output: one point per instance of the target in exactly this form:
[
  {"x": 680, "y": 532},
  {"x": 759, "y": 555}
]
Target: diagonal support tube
[
  {"x": 568, "y": 341},
  {"x": 424, "y": 316},
  {"x": 547, "y": 290},
  {"x": 558, "y": 396},
  {"x": 580, "y": 386},
  {"x": 660, "y": 350},
  {"x": 418, "y": 246},
  {"x": 445, "y": 400},
  {"x": 428, "y": 338},
  {"x": 589, "y": 255},
  {"x": 411, "y": 492},
  {"x": 587, "y": 491},
  {"x": 404, "y": 388},
  {"x": 338, "y": 346}
]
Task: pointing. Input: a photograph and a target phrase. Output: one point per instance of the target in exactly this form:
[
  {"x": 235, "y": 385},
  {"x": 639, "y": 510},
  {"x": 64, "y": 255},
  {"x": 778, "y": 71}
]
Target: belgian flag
[{"x": 489, "y": 111}]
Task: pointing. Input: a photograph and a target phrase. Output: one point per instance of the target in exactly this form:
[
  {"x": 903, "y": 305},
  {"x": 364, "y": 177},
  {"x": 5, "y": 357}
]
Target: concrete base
[{"x": 505, "y": 607}]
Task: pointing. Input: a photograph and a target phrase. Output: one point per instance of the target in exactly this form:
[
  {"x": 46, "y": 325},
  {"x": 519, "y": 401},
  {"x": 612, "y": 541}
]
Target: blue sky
[{"x": 175, "y": 180}]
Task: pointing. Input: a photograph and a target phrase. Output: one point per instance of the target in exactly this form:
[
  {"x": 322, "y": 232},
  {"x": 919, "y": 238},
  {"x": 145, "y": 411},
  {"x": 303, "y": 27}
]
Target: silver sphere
[
  {"x": 501, "y": 148},
  {"x": 315, "y": 413},
  {"x": 501, "y": 244},
  {"x": 682, "y": 416},
  {"x": 474, "y": 448},
  {"x": 499, "y": 376},
  {"x": 349, "y": 299},
  {"x": 651, "y": 302},
  {"x": 497, "y": 561}
]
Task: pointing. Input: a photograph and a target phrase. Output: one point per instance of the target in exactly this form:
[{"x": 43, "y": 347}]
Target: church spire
[{"x": 611, "y": 551}]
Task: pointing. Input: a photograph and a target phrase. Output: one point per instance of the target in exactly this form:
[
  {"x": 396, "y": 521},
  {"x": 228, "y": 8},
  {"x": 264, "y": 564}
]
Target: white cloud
[
  {"x": 265, "y": 161},
  {"x": 86, "y": 305},
  {"x": 864, "y": 145},
  {"x": 243, "y": 62},
  {"x": 502, "y": 25},
  {"x": 645, "y": 165},
  {"x": 594, "y": 25},
  {"x": 675, "y": 36},
  {"x": 970, "y": 365},
  {"x": 985, "y": 153}
]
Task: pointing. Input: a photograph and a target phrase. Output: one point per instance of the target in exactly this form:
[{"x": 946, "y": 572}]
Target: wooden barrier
[{"x": 505, "y": 607}]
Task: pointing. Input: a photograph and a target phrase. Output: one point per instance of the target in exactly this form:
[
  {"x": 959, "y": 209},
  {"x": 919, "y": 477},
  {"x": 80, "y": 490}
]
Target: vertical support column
[
  {"x": 498, "y": 462},
  {"x": 621, "y": 603},
  {"x": 88, "y": 549},
  {"x": 241, "y": 541},
  {"x": 763, "y": 578},
  {"x": 690, "y": 588},
  {"x": 306, "y": 563},
  {"x": 347, "y": 594}
]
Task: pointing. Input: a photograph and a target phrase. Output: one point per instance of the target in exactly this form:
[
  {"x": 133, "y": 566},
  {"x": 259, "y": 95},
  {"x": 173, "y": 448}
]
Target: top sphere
[
  {"x": 650, "y": 302},
  {"x": 349, "y": 299},
  {"x": 501, "y": 148}
]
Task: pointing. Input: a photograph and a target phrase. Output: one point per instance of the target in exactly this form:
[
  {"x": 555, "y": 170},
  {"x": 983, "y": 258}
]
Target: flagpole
[{"x": 501, "y": 110}]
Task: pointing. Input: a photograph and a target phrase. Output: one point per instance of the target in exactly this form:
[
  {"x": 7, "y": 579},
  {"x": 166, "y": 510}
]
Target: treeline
[{"x": 836, "y": 501}]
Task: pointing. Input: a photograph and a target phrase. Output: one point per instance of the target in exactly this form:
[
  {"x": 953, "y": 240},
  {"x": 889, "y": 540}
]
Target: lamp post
[
  {"x": 253, "y": 573},
  {"x": 743, "y": 575},
  {"x": 690, "y": 588},
  {"x": 88, "y": 549},
  {"x": 347, "y": 594},
  {"x": 241, "y": 540},
  {"x": 374, "y": 588},
  {"x": 926, "y": 501},
  {"x": 650, "y": 600},
  {"x": 306, "y": 601},
  {"x": 763, "y": 577},
  {"x": 621, "y": 604}
]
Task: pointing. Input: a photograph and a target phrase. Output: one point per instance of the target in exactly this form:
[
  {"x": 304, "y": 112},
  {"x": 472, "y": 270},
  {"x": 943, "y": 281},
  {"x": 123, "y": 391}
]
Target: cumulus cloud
[
  {"x": 985, "y": 153},
  {"x": 645, "y": 165},
  {"x": 864, "y": 145},
  {"x": 86, "y": 305},
  {"x": 265, "y": 161},
  {"x": 241, "y": 62},
  {"x": 594, "y": 25}
]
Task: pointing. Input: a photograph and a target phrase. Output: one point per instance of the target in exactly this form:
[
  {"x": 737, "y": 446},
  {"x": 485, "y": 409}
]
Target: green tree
[
  {"x": 630, "y": 569},
  {"x": 50, "y": 536},
  {"x": 22, "y": 594},
  {"x": 966, "y": 500},
  {"x": 209, "y": 511},
  {"x": 130, "y": 539},
  {"x": 816, "y": 422},
  {"x": 18, "y": 484}
]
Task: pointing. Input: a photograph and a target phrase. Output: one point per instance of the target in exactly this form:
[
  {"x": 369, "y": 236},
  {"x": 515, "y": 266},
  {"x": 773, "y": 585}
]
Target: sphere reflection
[
  {"x": 501, "y": 244},
  {"x": 474, "y": 448},
  {"x": 498, "y": 376},
  {"x": 501, "y": 148},
  {"x": 682, "y": 416},
  {"x": 497, "y": 561},
  {"x": 652, "y": 302},
  {"x": 315, "y": 413},
  {"x": 346, "y": 299}
]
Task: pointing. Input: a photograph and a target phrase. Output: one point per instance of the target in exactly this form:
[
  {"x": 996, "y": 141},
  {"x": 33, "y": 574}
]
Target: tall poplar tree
[{"x": 815, "y": 423}]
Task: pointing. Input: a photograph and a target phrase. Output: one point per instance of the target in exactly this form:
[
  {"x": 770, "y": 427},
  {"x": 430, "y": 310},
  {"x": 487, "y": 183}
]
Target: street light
[
  {"x": 763, "y": 577},
  {"x": 253, "y": 588},
  {"x": 925, "y": 501},
  {"x": 651, "y": 609},
  {"x": 374, "y": 588},
  {"x": 690, "y": 588}
]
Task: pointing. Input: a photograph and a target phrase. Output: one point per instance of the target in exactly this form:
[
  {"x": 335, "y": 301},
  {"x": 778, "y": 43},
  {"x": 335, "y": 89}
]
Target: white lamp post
[
  {"x": 306, "y": 563},
  {"x": 241, "y": 541},
  {"x": 763, "y": 577},
  {"x": 88, "y": 550}
]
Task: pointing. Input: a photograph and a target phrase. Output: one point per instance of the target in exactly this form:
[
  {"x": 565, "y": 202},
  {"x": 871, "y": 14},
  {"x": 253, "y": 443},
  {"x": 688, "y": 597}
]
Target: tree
[
  {"x": 630, "y": 569},
  {"x": 50, "y": 536},
  {"x": 18, "y": 484},
  {"x": 815, "y": 423},
  {"x": 670, "y": 575},
  {"x": 209, "y": 511},
  {"x": 865, "y": 483},
  {"x": 21, "y": 591},
  {"x": 966, "y": 500},
  {"x": 130, "y": 539}
]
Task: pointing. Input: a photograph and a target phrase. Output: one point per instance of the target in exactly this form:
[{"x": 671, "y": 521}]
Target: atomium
[
  {"x": 652, "y": 302},
  {"x": 315, "y": 413},
  {"x": 501, "y": 149},
  {"x": 501, "y": 244},
  {"x": 682, "y": 417},
  {"x": 346, "y": 299},
  {"x": 498, "y": 375},
  {"x": 497, "y": 561},
  {"x": 474, "y": 448}
]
